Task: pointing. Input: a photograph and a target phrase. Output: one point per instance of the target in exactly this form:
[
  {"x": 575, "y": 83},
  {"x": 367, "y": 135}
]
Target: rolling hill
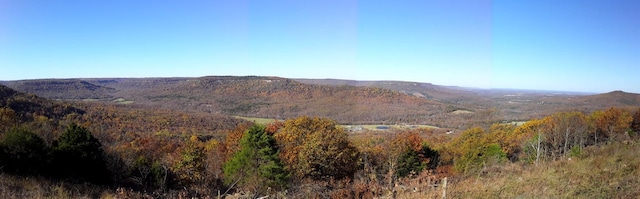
[
  {"x": 18, "y": 108},
  {"x": 27, "y": 106},
  {"x": 446, "y": 94},
  {"x": 168, "y": 116},
  {"x": 615, "y": 98},
  {"x": 270, "y": 97},
  {"x": 281, "y": 98},
  {"x": 73, "y": 89},
  {"x": 347, "y": 101}
]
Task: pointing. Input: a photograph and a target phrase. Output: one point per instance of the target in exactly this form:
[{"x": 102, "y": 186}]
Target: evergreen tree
[
  {"x": 23, "y": 152},
  {"x": 409, "y": 162},
  {"x": 78, "y": 155},
  {"x": 256, "y": 166},
  {"x": 416, "y": 161}
]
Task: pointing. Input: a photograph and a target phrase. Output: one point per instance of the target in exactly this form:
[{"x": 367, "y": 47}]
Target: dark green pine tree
[
  {"x": 23, "y": 152},
  {"x": 78, "y": 155},
  {"x": 412, "y": 161},
  {"x": 256, "y": 166},
  {"x": 409, "y": 161}
]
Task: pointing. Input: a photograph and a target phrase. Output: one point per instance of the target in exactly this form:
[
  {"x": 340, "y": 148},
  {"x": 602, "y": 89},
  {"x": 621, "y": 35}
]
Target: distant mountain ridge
[
  {"x": 418, "y": 89},
  {"x": 26, "y": 106},
  {"x": 50, "y": 88},
  {"x": 614, "y": 98},
  {"x": 347, "y": 101},
  {"x": 275, "y": 97},
  {"x": 270, "y": 97}
]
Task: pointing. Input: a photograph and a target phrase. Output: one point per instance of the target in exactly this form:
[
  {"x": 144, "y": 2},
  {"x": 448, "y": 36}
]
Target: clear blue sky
[{"x": 580, "y": 45}]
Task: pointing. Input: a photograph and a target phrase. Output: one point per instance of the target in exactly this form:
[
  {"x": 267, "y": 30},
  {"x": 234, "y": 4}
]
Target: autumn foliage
[
  {"x": 316, "y": 148},
  {"x": 166, "y": 153}
]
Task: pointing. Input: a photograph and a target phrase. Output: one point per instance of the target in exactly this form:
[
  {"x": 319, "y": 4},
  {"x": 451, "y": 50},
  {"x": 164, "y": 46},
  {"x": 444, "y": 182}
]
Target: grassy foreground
[{"x": 609, "y": 171}]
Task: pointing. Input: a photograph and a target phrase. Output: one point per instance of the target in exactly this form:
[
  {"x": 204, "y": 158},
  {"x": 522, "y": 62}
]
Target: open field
[
  {"x": 122, "y": 101},
  {"x": 457, "y": 112},
  {"x": 256, "y": 120},
  {"x": 91, "y": 100},
  {"x": 517, "y": 123},
  {"x": 369, "y": 127},
  {"x": 382, "y": 127}
]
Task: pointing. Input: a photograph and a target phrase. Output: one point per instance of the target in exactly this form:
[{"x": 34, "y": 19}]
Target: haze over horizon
[{"x": 583, "y": 46}]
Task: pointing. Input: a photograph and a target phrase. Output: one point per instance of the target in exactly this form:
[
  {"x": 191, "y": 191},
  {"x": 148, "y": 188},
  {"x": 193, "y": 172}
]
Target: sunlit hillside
[{"x": 103, "y": 148}]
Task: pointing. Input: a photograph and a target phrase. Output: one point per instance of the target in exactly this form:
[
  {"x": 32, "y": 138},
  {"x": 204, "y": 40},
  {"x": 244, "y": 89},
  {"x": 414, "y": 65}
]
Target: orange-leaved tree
[
  {"x": 612, "y": 123},
  {"x": 316, "y": 148},
  {"x": 635, "y": 124},
  {"x": 531, "y": 135},
  {"x": 566, "y": 131},
  {"x": 232, "y": 142}
]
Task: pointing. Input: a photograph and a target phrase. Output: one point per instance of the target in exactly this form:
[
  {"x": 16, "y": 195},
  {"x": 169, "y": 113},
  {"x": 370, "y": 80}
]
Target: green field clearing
[
  {"x": 122, "y": 101},
  {"x": 256, "y": 120},
  {"x": 90, "y": 100},
  {"x": 374, "y": 127},
  {"x": 371, "y": 127},
  {"x": 515, "y": 123}
]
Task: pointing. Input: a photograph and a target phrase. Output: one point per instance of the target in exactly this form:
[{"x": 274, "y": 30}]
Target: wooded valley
[{"x": 177, "y": 138}]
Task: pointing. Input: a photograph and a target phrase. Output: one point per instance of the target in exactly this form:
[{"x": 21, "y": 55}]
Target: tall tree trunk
[
  {"x": 566, "y": 140},
  {"x": 538, "y": 148}
]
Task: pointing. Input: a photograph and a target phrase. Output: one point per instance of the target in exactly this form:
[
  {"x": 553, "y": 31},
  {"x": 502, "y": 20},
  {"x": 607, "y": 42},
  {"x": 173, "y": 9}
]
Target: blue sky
[{"x": 583, "y": 45}]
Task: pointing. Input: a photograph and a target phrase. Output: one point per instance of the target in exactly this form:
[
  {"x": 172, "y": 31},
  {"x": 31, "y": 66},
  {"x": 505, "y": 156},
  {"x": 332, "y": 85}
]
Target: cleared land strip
[{"x": 371, "y": 127}]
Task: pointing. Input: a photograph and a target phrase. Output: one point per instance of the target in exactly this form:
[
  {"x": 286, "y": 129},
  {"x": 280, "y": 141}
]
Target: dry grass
[
  {"x": 601, "y": 172},
  {"x": 37, "y": 187},
  {"x": 608, "y": 171},
  {"x": 257, "y": 120},
  {"x": 458, "y": 112}
]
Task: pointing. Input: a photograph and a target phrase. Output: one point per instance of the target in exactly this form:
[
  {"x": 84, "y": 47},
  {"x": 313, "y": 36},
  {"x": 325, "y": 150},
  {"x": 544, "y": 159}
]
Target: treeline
[
  {"x": 559, "y": 136},
  {"x": 75, "y": 155},
  {"x": 303, "y": 157},
  {"x": 16, "y": 107},
  {"x": 307, "y": 157},
  {"x": 73, "y": 89},
  {"x": 135, "y": 120}
]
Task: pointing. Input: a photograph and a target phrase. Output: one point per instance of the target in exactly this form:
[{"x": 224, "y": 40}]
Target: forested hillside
[
  {"x": 346, "y": 101},
  {"x": 496, "y": 104},
  {"x": 40, "y": 137},
  {"x": 268, "y": 97},
  {"x": 89, "y": 149},
  {"x": 74, "y": 89},
  {"x": 17, "y": 107},
  {"x": 284, "y": 98},
  {"x": 446, "y": 94}
]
